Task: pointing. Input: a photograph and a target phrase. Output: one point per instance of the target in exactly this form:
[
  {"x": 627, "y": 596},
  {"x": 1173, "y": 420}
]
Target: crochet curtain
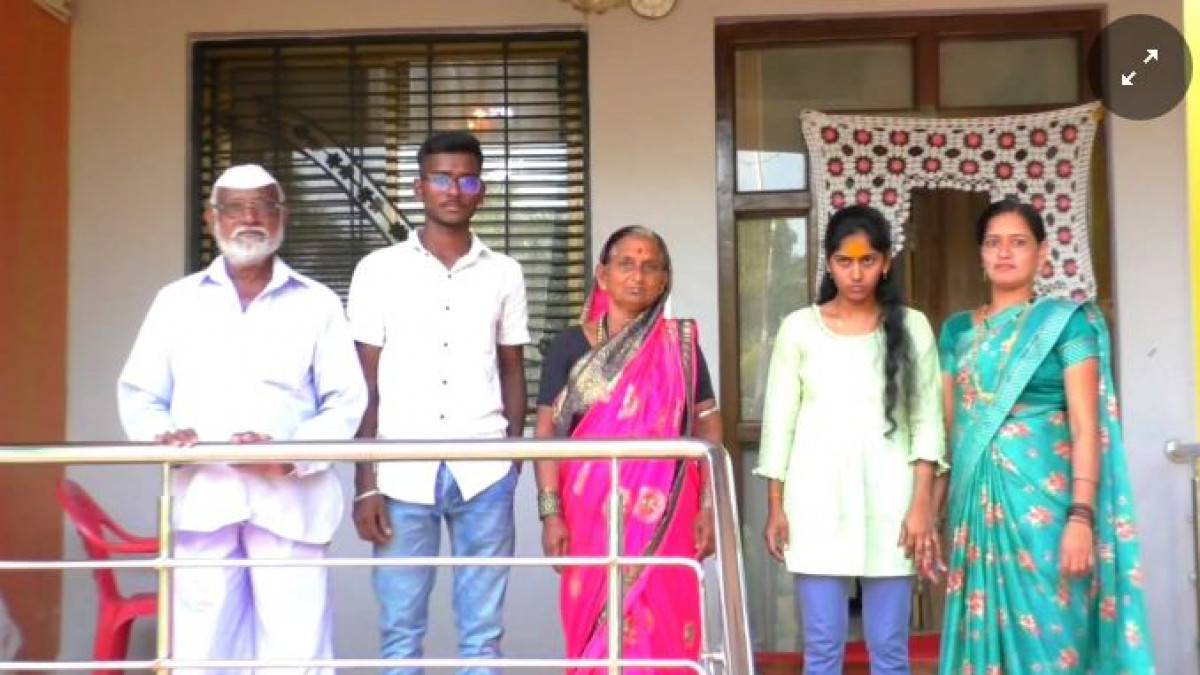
[{"x": 1042, "y": 159}]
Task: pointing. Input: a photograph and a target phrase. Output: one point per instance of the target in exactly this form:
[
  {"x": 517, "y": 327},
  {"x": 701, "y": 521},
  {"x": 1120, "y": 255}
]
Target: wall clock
[{"x": 652, "y": 9}]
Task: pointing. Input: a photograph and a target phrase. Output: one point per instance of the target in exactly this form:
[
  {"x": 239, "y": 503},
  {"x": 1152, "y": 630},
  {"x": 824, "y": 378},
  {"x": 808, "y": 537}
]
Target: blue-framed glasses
[{"x": 468, "y": 184}]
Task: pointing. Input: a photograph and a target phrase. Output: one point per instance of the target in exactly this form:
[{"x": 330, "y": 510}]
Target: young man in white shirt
[
  {"x": 247, "y": 351},
  {"x": 440, "y": 321}
]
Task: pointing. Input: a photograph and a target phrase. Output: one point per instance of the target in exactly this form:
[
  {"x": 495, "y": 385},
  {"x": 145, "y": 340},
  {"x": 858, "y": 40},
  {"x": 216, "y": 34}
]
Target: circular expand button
[{"x": 1140, "y": 67}]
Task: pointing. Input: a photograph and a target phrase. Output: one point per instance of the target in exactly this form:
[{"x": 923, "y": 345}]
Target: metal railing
[
  {"x": 1189, "y": 453},
  {"x": 731, "y": 655}
]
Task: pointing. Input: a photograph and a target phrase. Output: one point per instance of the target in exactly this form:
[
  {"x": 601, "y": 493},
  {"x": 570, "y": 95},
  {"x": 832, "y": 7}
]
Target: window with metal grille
[{"x": 338, "y": 121}]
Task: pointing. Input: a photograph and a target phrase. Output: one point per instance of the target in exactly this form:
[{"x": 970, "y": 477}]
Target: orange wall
[{"x": 34, "y": 51}]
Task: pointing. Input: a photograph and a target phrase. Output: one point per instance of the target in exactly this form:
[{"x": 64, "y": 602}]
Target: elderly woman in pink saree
[{"x": 628, "y": 372}]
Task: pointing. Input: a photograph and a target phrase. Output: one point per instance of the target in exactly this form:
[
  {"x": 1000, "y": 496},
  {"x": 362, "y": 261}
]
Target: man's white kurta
[{"x": 285, "y": 366}]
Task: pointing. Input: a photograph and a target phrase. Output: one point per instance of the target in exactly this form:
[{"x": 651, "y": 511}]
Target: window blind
[{"x": 338, "y": 121}]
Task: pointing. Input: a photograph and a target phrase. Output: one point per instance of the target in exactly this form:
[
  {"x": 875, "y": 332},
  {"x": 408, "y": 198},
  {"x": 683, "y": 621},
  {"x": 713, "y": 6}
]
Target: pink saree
[{"x": 638, "y": 389}]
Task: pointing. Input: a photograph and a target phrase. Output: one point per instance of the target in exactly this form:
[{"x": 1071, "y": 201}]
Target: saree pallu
[
  {"x": 660, "y": 498},
  {"x": 1009, "y": 609}
]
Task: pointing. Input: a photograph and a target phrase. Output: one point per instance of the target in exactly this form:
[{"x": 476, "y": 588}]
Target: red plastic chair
[{"x": 116, "y": 612}]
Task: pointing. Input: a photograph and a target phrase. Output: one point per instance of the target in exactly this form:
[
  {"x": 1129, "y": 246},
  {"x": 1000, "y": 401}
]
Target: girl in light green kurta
[{"x": 852, "y": 436}]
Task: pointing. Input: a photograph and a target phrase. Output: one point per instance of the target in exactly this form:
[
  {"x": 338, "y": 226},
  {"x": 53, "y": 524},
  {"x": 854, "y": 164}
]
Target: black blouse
[{"x": 571, "y": 344}]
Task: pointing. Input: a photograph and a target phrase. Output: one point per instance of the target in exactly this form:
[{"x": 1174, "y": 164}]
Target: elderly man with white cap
[{"x": 247, "y": 351}]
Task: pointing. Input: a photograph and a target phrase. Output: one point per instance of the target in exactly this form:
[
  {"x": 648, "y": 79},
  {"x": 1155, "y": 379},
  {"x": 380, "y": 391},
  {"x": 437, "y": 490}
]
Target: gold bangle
[{"x": 549, "y": 503}]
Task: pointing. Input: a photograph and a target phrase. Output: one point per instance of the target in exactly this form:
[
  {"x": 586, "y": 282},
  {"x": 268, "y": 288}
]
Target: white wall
[{"x": 653, "y": 162}]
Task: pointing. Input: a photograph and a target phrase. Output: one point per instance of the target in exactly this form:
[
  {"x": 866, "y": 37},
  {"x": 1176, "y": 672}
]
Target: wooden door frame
[{"x": 924, "y": 32}]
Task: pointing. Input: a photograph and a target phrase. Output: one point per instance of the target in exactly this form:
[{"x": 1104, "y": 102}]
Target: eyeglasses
[
  {"x": 263, "y": 207},
  {"x": 648, "y": 268},
  {"x": 467, "y": 184}
]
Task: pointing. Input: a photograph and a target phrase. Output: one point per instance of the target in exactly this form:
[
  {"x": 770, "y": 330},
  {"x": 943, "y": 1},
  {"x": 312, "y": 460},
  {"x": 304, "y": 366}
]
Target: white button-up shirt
[
  {"x": 438, "y": 370},
  {"x": 285, "y": 366}
]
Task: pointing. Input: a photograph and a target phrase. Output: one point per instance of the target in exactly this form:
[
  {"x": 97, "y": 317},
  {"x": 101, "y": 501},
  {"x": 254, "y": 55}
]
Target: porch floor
[{"x": 923, "y": 655}]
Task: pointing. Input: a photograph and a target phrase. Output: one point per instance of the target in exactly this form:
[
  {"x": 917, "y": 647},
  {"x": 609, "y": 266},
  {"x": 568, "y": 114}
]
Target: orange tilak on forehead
[{"x": 855, "y": 248}]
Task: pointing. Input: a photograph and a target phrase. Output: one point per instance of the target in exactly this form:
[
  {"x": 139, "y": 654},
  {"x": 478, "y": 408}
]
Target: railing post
[
  {"x": 1189, "y": 453},
  {"x": 731, "y": 580},
  {"x": 1196, "y": 539},
  {"x": 616, "y": 603},
  {"x": 163, "y": 638}
]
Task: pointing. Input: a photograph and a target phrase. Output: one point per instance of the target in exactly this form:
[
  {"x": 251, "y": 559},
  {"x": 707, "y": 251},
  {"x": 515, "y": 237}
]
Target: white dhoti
[{"x": 250, "y": 612}]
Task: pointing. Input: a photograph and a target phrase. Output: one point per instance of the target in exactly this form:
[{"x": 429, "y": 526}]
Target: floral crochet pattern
[{"x": 1042, "y": 159}]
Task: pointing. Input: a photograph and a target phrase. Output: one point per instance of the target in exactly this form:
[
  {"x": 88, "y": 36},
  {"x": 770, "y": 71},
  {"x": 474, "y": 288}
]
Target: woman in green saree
[{"x": 1044, "y": 569}]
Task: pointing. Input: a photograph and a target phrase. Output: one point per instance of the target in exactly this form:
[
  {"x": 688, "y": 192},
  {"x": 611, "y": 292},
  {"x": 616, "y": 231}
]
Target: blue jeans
[
  {"x": 825, "y": 607},
  {"x": 481, "y": 526}
]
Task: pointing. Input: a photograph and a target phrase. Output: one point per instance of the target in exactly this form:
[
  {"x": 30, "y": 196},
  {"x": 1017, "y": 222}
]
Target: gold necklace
[
  {"x": 602, "y": 329},
  {"x": 1006, "y": 349}
]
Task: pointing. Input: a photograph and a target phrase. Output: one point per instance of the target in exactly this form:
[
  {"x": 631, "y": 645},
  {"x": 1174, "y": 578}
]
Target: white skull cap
[{"x": 245, "y": 177}]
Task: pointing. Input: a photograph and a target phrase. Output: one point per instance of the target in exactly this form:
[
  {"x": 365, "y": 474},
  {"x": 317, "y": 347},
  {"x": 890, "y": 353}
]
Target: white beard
[{"x": 249, "y": 246}]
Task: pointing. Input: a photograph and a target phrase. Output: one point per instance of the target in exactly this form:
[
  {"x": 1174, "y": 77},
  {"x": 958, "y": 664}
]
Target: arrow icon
[
  {"x": 1127, "y": 80},
  {"x": 1151, "y": 55}
]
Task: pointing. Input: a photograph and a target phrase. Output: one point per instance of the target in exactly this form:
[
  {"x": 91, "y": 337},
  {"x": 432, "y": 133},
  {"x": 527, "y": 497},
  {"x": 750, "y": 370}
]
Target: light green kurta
[{"x": 846, "y": 485}]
